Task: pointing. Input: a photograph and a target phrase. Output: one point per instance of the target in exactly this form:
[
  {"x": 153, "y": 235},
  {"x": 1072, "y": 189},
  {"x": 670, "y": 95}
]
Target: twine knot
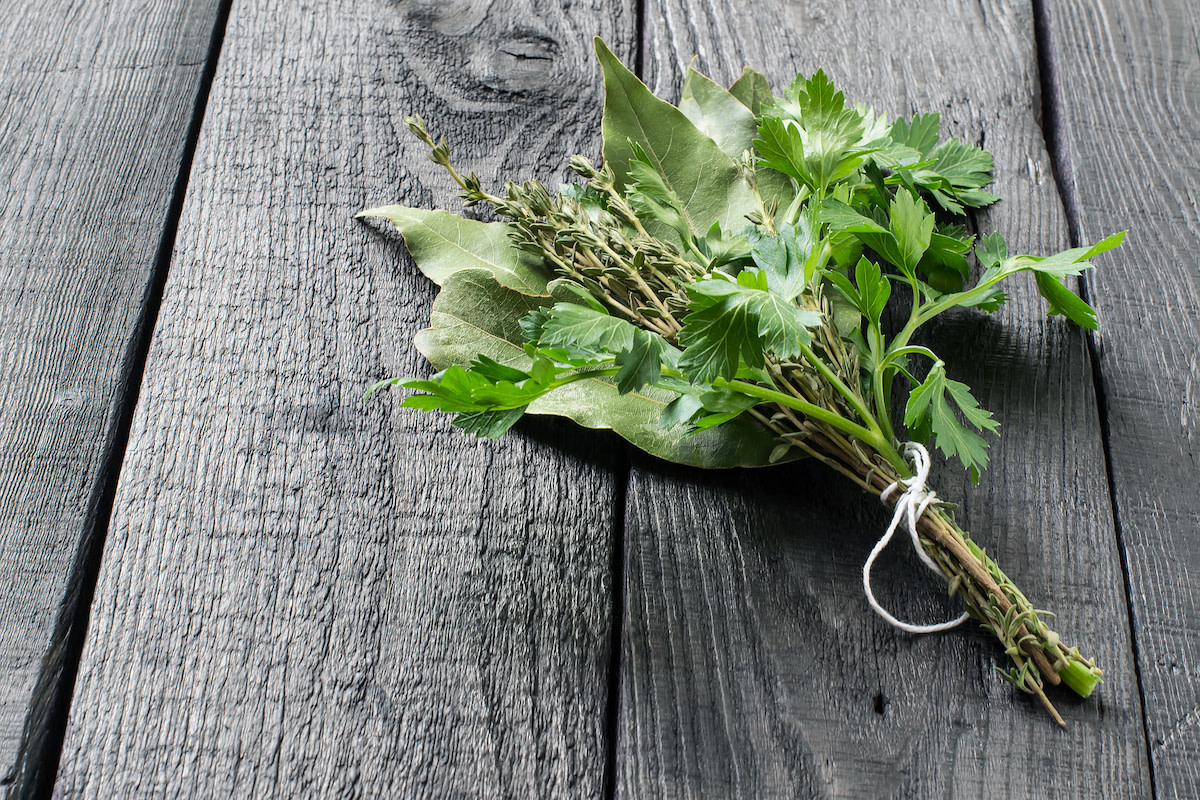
[{"x": 909, "y": 507}]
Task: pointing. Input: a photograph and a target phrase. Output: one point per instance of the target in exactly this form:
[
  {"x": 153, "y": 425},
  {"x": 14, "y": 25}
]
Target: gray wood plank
[
  {"x": 95, "y": 105},
  {"x": 1129, "y": 74},
  {"x": 303, "y": 594},
  {"x": 752, "y": 665}
]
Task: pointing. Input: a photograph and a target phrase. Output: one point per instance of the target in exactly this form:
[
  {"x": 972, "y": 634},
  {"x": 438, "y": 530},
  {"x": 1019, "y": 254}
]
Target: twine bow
[{"x": 909, "y": 506}]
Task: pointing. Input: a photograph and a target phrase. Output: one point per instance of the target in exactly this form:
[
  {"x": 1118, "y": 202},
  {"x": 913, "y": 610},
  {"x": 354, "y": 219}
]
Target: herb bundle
[{"x": 715, "y": 292}]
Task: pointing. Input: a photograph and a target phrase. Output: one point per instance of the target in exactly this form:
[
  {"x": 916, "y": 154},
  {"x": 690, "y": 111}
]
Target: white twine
[{"x": 910, "y": 506}]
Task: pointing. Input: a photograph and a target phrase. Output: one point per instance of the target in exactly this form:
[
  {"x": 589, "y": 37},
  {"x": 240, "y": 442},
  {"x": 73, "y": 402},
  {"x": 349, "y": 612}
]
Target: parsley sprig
[{"x": 716, "y": 292}]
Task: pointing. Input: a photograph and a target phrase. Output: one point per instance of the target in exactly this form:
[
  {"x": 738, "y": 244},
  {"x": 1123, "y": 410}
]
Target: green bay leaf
[
  {"x": 718, "y": 114},
  {"x": 704, "y": 178},
  {"x": 752, "y": 90},
  {"x": 443, "y": 244}
]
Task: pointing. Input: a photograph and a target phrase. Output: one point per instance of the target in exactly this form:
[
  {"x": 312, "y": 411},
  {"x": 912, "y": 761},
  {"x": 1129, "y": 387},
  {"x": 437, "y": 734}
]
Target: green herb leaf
[
  {"x": 724, "y": 250},
  {"x": 954, "y": 175},
  {"x": 782, "y": 150},
  {"x": 788, "y": 259},
  {"x": 873, "y": 290},
  {"x": 842, "y": 218},
  {"x": 912, "y": 227},
  {"x": 921, "y": 134},
  {"x": 931, "y": 410},
  {"x": 851, "y": 303},
  {"x": 944, "y": 265},
  {"x": 1069, "y": 262},
  {"x": 476, "y": 315},
  {"x": 964, "y": 165},
  {"x": 1063, "y": 301},
  {"x": 488, "y": 424},
  {"x": 494, "y": 371},
  {"x": 582, "y": 331},
  {"x": 735, "y": 323},
  {"x": 991, "y": 250},
  {"x": 568, "y": 291},
  {"x": 1047, "y": 272},
  {"x": 642, "y": 361},
  {"x": 811, "y": 135},
  {"x": 654, "y": 199},
  {"x": 821, "y": 110},
  {"x": 483, "y": 405},
  {"x": 987, "y": 301},
  {"x": 682, "y": 410}
]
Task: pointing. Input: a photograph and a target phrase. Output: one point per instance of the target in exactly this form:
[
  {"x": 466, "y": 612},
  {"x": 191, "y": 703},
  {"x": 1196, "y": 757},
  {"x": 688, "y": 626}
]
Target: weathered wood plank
[
  {"x": 95, "y": 105},
  {"x": 1129, "y": 75},
  {"x": 752, "y": 665},
  {"x": 303, "y": 594}
]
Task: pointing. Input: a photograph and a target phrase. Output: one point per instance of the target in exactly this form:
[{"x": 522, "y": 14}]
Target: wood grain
[
  {"x": 1129, "y": 75},
  {"x": 752, "y": 665},
  {"x": 304, "y": 594},
  {"x": 95, "y": 105}
]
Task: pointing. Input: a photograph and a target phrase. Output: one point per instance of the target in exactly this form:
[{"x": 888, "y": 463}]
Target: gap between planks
[
  {"x": 45, "y": 727},
  {"x": 1053, "y": 130}
]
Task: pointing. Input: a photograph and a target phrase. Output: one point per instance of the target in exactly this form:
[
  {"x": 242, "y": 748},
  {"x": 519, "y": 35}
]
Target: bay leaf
[
  {"x": 706, "y": 179},
  {"x": 443, "y": 243},
  {"x": 718, "y": 114}
]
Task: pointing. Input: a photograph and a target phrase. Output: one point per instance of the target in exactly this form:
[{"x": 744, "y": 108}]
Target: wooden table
[{"x": 225, "y": 574}]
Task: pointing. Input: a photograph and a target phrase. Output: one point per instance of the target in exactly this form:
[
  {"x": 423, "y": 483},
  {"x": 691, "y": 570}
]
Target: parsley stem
[
  {"x": 957, "y": 299},
  {"x": 915, "y": 320},
  {"x": 704, "y": 260},
  {"x": 882, "y": 401},
  {"x": 792, "y": 215},
  {"x": 873, "y": 438},
  {"x": 881, "y": 389},
  {"x": 852, "y": 397},
  {"x": 916, "y": 350},
  {"x": 581, "y": 374}
]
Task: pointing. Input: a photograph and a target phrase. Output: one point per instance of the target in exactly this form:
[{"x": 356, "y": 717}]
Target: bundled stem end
[
  {"x": 1081, "y": 678},
  {"x": 1038, "y": 655}
]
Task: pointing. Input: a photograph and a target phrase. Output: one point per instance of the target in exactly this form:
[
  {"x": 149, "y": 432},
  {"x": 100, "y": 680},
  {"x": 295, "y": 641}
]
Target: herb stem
[
  {"x": 704, "y": 260},
  {"x": 871, "y": 437},
  {"x": 651, "y": 295},
  {"x": 882, "y": 401},
  {"x": 881, "y": 389},
  {"x": 855, "y": 401},
  {"x": 766, "y": 422},
  {"x": 792, "y": 215},
  {"x": 832, "y": 463},
  {"x": 617, "y": 305}
]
